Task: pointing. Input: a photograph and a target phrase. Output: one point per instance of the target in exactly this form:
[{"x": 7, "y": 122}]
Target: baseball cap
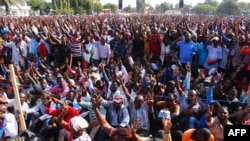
[{"x": 76, "y": 123}]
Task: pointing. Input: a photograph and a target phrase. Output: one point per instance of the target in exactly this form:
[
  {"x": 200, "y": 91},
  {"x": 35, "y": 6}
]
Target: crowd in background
[{"x": 125, "y": 77}]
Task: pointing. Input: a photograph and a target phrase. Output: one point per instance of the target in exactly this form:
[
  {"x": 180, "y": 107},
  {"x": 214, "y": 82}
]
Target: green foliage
[
  {"x": 228, "y": 7},
  {"x": 140, "y": 5},
  {"x": 98, "y": 7},
  {"x": 8, "y": 3},
  {"x": 212, "y": 2},
  {"x": 203, "y": 8},
  {"x": 113, "y": 7},
  {"x": 127, "y": 9},
  {"x": 162, "y": 7}
]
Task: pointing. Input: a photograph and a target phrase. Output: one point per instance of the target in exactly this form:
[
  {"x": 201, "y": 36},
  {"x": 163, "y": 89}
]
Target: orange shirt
[{"x": 186, "y": 136}]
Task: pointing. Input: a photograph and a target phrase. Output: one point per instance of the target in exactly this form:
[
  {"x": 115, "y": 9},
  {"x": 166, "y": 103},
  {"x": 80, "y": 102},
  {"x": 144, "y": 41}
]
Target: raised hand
[
  {"x": 167, "y": 125},
  {"x": 209, "y": 112}
]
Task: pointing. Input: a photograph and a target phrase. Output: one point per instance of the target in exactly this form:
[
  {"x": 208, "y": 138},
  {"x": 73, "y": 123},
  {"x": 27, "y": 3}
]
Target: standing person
[
  {"x": 155, "y": 41},
  {"x": 214, "y": 55},
  {"x": 64, "y": 51},
  {"x": 75, "y": 44},
  {"x": 104, "y": 50},
  {"x": 17, "y": 51},
  {"x": 187, "y": 50}
]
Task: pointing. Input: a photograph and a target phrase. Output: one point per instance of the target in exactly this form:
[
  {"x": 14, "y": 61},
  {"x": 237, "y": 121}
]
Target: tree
[
  {"x": 40, "y": 5},
  {"x": 203, "y": 8},
  {"x": 228, "y": 7},
  {"x": 212, "y": 2},
  {"x": 162, "y": 7},
  {"x": 97, "y": 7},
  {"x": 242, "y": 6},
  {"x": 110, "y": 6},
  {"x": 127, "y": 9},
  {"x": 140, "y": 5},
  {"x": 8, "y": 3}
]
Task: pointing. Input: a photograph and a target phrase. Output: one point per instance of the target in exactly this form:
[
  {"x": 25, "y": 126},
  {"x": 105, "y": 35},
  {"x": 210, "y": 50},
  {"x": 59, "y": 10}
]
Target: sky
[{"x": 154, "y": 2}]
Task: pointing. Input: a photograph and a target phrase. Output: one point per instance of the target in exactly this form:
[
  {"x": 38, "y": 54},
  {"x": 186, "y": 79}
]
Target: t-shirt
[{"x": 186, "y": 51}]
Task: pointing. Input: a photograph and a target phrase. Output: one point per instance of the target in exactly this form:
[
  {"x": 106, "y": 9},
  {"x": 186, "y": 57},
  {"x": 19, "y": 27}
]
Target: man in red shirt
[{"x": 154, "y": 42}]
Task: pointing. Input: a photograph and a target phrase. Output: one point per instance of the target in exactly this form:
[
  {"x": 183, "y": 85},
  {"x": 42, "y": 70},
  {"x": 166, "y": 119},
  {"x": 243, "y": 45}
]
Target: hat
[
  {"x": 212, "y": 70},
  {"x": 215, "y": 38},
  {"x": 118, "y": 98},
  {"x": 94, "y": 69},
  {"x": 96, "y": 75},
  {"x": 76, "y": 123}
]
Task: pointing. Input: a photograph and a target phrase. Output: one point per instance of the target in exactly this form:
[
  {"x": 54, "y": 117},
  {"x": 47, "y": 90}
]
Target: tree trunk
[{"x": 7, "y": 8}]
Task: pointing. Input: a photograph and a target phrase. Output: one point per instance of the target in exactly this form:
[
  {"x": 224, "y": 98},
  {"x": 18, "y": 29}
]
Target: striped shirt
[
  {"x": 139, "y": 114},
  {"x": 76, "y": 48}
]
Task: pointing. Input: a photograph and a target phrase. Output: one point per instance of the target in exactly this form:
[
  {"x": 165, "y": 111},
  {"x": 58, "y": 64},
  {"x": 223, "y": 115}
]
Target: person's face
[
  {"x": 187, "y": 37},
  {"x": 46, "y": 99},
  {"x": 64, "y": 40},
  {"x": 1, "y": 60},
  {"x": 22, "y": 97},
  {"x": 77, "y": 133},
  {"x": 245, "y": 80},
  {"x": 3, "y": 109},
  {"x": 113, "y": 86},
  {"x": 103, "y": 40},
  {"x": 222, "y": 114},
  {"x": 138, "y": 102},
  {"x": 60, "y": 82},
  {"x": 227, "y": 84},
  {"x": 170, "y": 87},
  {"x": 231, "y": 95},
  {"x": 44, "y": 83},
  {"x": 49, "y": 77},
  {"x": 70, "y": 96},
  {"x": 191, "y": 97}
]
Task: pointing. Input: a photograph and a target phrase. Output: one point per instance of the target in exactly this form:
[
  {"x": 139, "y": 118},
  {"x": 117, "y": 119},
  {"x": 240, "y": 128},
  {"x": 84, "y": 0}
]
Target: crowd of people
[{"x": 131, "y": 78}]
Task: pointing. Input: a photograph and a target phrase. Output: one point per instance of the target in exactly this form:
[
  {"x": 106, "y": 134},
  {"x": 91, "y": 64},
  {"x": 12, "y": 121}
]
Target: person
[
  {"x": 64, "y": 51},
  {"x": 8, "y": 124},
  {"x": 117, "y": 113},
  {"x": 193, "y": 134},
  {"x": 215, "y": 124},
  {"x": 115, "y": 133},
  {"x": 214, "y": 54},
  {"x": 77, "y": 126}
]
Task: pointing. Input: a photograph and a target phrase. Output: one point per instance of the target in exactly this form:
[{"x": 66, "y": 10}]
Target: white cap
[
  {"x": 76, "y": 123},
  {"x": 215, "y": 38}
]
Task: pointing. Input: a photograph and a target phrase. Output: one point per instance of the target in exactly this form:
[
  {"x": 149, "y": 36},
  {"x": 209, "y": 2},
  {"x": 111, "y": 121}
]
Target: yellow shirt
[{"x": 146, "y": 44}]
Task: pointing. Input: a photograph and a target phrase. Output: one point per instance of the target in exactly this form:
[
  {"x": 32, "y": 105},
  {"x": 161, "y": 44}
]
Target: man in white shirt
[{"x": 8, "y": 123}]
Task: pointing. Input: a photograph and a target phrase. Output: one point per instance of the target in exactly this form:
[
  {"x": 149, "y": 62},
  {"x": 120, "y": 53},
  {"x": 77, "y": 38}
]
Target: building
[
  {"x": 20, "y": 10},
  {"x": 173, "y": 12}
]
